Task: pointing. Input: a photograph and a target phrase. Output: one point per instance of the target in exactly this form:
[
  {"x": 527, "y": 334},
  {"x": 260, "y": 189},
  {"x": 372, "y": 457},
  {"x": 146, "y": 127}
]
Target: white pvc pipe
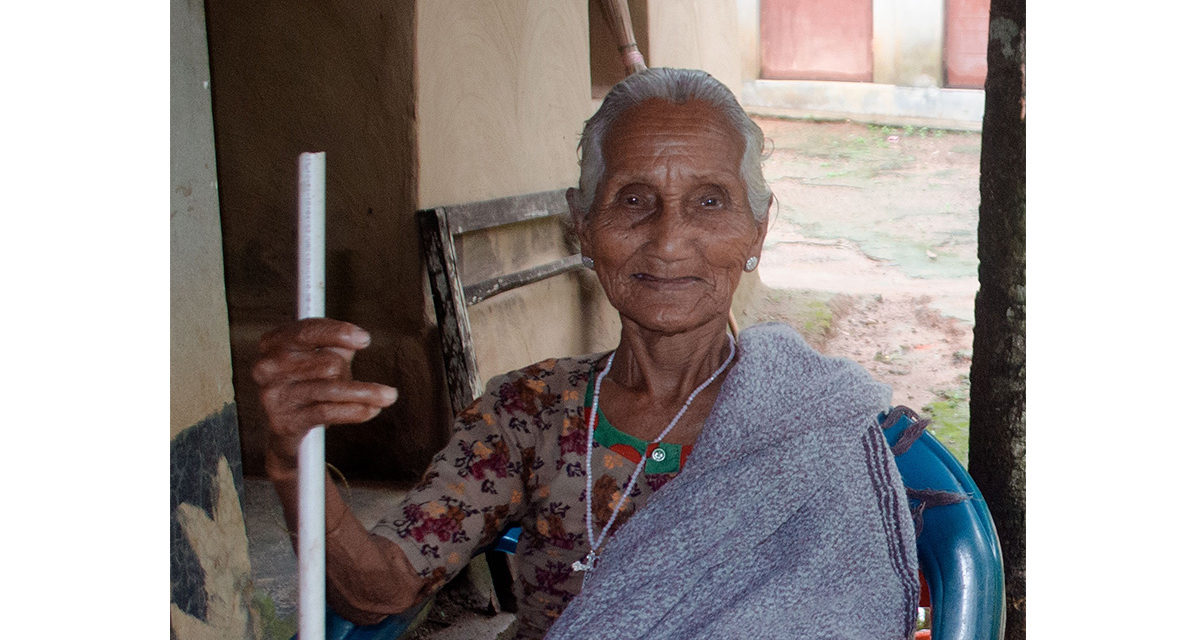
[{"x": 310, "y": 550}]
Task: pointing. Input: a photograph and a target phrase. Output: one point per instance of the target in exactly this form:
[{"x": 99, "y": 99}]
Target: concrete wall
[
  {"x": 210, "y": 563},
  {"x": 907, "y": 42},
  {"x": 502, "y": 93},
  {"x": 696, "y": 34},
  {"x": 906, "y": 88},
  {"x": 308, "y": 75},
  {"x": 503, "y": 90}
]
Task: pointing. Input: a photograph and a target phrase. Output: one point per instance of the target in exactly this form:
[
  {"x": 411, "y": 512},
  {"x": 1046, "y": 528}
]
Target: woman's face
[{"x": 670, "y": 228}]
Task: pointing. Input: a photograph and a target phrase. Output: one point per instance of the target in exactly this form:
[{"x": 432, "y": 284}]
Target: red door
[
  {"x": 966, "y": 55},
  {"x": 816, "y": 39}
]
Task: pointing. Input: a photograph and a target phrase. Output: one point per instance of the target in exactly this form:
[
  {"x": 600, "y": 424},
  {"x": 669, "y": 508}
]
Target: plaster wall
[
  {"x": 503, "y": 90},
  {"x": 907, "y": 85},
  {"x": 696, "y": 34},
  {"x": 200, "y": 360},
  {"x": 334, "y": 76},
  {"x": 748, "y": 38},
  {"x": 502, "y": 93},
  {"x": 907, "y": 42},
  {"x": 210, "y": 562}
]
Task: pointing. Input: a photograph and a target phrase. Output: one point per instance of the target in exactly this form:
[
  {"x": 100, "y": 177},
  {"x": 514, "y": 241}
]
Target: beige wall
[
  {"x": 748, "y": 38},
  {"x": 696, "y": 34},
  {"x": 333, "y": 76},
  {"x": 200, "y": 362},
  {"x": 210, "y": 561},
  {"x": 503, "y": 90},
  {"x": 502, "y": 93},
  {"x": 907, "y": 42}
]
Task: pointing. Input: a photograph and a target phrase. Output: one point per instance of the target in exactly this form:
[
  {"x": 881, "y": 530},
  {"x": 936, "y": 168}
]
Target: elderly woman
[{"x": 684, "y": 485}]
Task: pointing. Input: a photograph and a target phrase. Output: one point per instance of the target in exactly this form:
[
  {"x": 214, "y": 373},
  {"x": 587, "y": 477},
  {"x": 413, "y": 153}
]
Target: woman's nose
[{"x": 669, "y": 231}]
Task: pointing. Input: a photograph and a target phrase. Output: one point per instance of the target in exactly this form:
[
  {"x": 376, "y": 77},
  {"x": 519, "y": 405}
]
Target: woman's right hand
[
  {"x": 303, "y": 373},
  {"x": 304, "y": 380}
]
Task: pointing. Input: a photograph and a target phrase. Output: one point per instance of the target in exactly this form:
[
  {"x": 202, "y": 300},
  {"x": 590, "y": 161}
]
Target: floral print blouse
[{"x": 517, "y": 456}]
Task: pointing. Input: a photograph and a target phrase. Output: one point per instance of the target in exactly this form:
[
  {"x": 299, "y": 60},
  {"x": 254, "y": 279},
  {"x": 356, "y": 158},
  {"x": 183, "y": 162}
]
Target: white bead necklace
[{"x": 594, "y": 543}]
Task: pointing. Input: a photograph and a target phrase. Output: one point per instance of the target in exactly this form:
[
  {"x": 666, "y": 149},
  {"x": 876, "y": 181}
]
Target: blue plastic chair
[
  {"x": 339, "y": 628},
  {"x": 958, "y": 551}
]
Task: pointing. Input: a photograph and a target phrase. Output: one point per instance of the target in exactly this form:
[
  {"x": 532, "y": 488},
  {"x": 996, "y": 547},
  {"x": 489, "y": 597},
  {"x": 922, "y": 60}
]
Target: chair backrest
[
  {"x": 439, "y": 228},
  {"x": 958, "y": 550}
]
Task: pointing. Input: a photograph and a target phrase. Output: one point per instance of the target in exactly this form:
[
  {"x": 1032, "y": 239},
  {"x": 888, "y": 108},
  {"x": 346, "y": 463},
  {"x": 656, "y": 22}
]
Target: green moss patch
[
  {"x": 949, "y": 420},
  {"x": 272, "y": 625},
  {"x": 812, "y": 313}
]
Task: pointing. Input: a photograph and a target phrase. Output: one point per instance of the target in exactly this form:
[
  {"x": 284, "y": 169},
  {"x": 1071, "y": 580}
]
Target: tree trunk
[{"x": 997, "y": 446}]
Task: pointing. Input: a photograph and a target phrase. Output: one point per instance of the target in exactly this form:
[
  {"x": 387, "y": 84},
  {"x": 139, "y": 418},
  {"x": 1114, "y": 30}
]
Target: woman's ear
[
  {"x": 578, "y": 214},
  {"x": 757, "y": 247}
]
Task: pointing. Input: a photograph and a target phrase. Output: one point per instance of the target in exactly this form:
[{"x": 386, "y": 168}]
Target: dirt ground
[{"x": 872, "y": 253}]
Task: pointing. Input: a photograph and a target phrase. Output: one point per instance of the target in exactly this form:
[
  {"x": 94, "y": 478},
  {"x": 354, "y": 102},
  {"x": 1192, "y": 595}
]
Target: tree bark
[{"x": 997, "y": 444}]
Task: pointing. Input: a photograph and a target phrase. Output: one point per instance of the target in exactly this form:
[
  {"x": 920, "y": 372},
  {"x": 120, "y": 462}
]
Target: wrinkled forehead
[{"x": 657, "y": 128}]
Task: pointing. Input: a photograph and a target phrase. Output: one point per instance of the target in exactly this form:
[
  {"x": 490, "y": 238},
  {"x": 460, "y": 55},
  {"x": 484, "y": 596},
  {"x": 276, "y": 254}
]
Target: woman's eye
[
  {"x": 636, "y": 201},
  {"x": 710, "y": 202}
]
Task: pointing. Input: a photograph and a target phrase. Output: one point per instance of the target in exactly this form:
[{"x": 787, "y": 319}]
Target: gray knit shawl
[{"x": 789, "y": 520}]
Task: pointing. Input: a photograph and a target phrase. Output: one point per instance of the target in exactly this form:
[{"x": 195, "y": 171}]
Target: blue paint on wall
[{"x": 194, "y": 456}]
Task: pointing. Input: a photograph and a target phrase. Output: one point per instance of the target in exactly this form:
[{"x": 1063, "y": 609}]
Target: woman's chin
[{"x": 670, "y": 324}]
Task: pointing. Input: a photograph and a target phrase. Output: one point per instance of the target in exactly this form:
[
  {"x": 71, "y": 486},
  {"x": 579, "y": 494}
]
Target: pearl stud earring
[
  {"x": 751, "y": 263},
  {"x": 588, "y": 263}
]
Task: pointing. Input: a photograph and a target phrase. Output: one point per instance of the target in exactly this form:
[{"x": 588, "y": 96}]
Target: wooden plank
[
  {"x": 481, "y": 291},
  {"x": 487, "y": 214},
  {"x": 458, "y": 354}
]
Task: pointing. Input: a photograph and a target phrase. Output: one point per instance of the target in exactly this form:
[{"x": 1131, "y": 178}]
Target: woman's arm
[
  {"x": 304, "y": 380},
  {"x": 367, "y": 577}
]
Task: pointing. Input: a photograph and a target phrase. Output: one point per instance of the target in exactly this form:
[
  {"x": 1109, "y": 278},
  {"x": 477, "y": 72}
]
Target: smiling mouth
[{"x": 665, "y": 283}]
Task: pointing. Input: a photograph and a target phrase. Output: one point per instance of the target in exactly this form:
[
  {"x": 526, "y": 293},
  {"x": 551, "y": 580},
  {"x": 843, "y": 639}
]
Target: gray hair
[{"x": 677, "y": 86}]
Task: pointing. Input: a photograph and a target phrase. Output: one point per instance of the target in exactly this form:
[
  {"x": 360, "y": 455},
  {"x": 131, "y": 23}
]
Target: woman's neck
[{"x": 665, "y": 369}]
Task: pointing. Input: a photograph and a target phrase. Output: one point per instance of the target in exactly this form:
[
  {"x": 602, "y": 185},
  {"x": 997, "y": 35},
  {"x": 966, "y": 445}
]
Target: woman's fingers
[
  {"x": 285, "y": 366},
  {"x": 305, "y": 380},
  {"x": 295, "y": 408},
  {"x": 315, "y": 333},
  {"x": 339, "y": 392}
]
